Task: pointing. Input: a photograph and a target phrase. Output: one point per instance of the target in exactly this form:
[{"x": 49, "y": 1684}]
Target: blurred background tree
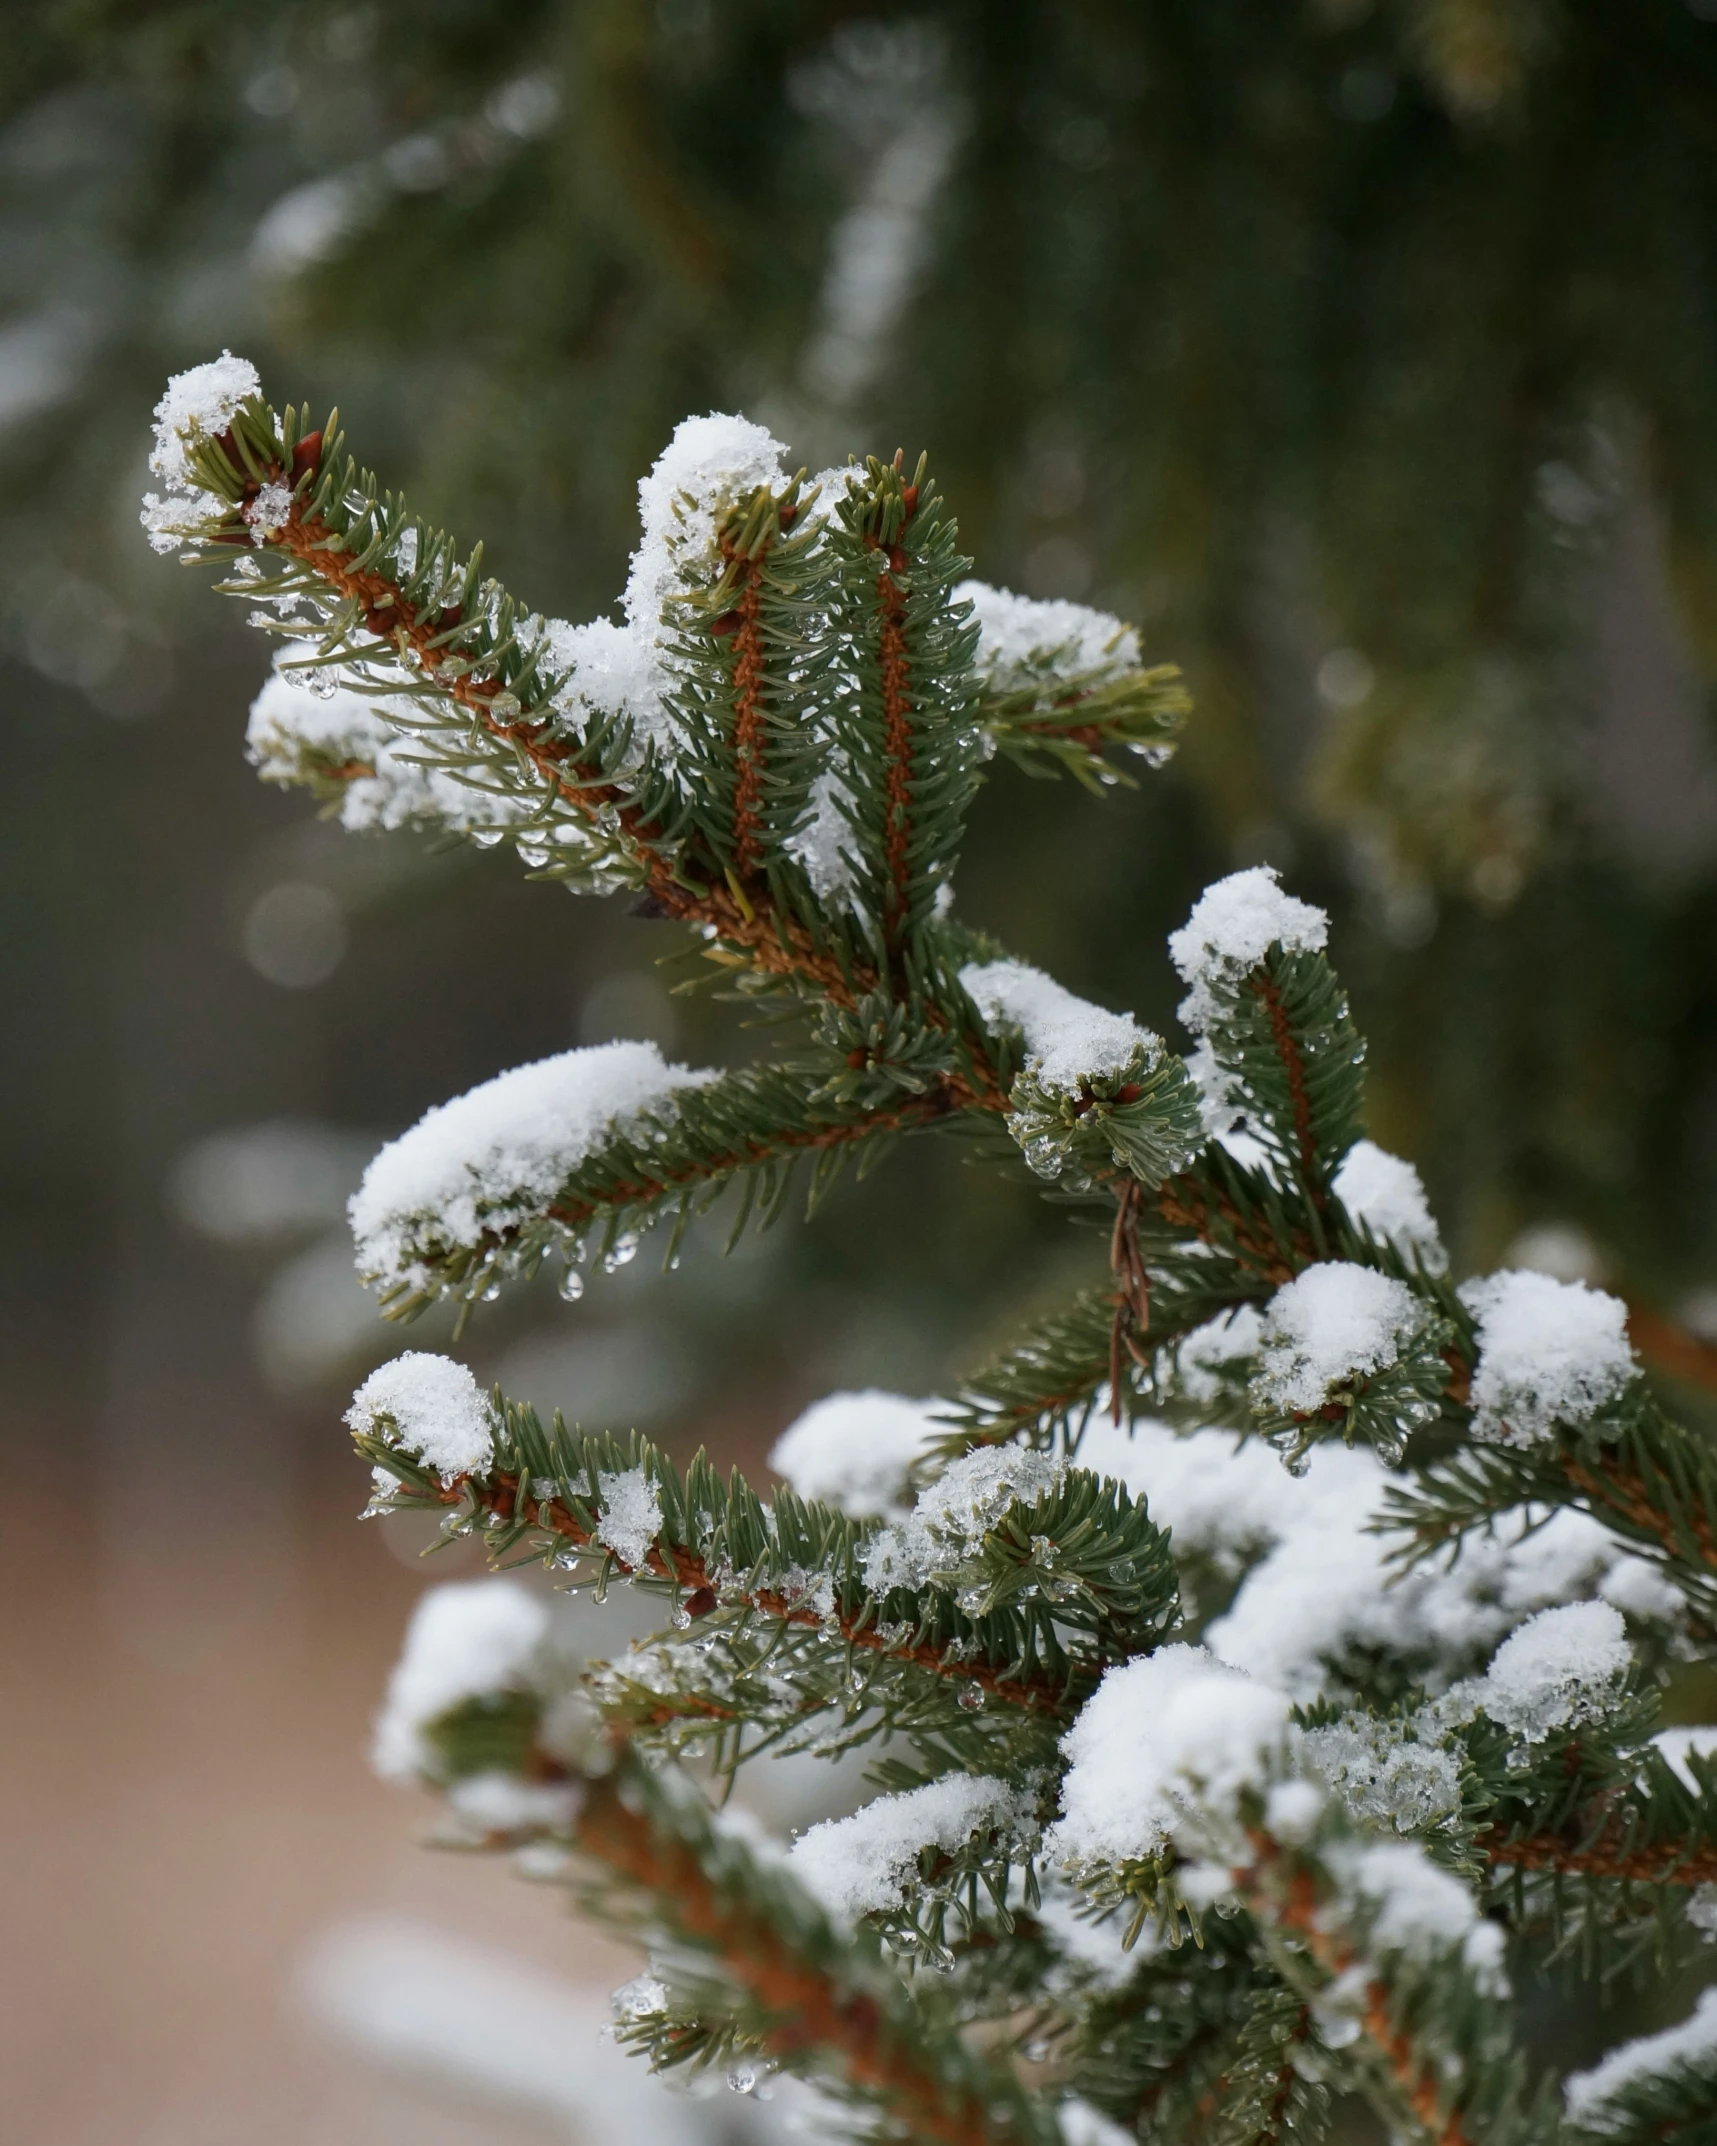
[{"x": 1365, "y": 354}]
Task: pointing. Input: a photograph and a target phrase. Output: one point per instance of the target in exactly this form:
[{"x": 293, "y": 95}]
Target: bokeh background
[{"x": 1364, "y": 352}]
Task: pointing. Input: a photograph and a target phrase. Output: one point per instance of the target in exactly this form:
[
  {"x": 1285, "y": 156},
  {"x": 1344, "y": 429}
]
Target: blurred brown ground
[{"x": 187, "y": 1805}]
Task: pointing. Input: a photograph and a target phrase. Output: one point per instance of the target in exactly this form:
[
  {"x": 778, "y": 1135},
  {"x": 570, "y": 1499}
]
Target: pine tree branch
[
  {"x": 1608, "y": 1856},
  {"x": 809, "y": 2002},
  {"x": 1282, "y": 1890}
]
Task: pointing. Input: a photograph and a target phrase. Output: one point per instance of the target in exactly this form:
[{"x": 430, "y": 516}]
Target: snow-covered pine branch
[{"x": 1124, "y": 1683}]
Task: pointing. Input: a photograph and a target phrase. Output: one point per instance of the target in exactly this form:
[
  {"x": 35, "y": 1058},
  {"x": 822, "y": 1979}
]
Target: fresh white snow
[
  {"x": 433, "y": 1406},
  {"x": 1026, "y": 640},
  {"x": 1386, "y": 1193},
  {"x": 1691, "y": 2043},
  {"x": 631, "y": 1515},
  {"x": 1549, "y": 1352},
  {"x": 854, "y": 1451},
  {"x": 862, "y": 1865},
  {"x": 1332, "y": 1324},
  {"x": 1232, "y": 927},
  {"x": 1158, "y": 1734},
  {"x": 198, "y": 405},
  {"x": 494, "y": 1157},
  {"x": 1678, "y": 1745},
  {"x": 1068, "y": 1040},
  {"x": 952, "y": 1516},
  {"x": 464, "y": 1640},
  {"x": 1559, "y": 1668},
  {"x": 291, "y": 729},
  {"x": 1421, "y": 1911}
]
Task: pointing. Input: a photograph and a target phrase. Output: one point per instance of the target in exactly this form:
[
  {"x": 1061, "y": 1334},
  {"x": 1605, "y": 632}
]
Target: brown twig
[
  {"x": 1293, "y": 1904},
  {"x": 807, "y": 2010},
  {"x": 1293, "y": 1065},
  {"x": 503, "y": 1494},
  {"x": 1666, "y": 1863}
]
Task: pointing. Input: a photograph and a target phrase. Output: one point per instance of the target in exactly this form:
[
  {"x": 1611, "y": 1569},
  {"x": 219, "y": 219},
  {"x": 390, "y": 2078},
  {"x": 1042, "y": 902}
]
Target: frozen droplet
[
  {"x": 1123, "y": 1570},
  {"x": 743, "y": 2079},
  {"x": 487, "y": 837},
  {"x": 505, "y": 707},
  {"x": 969, "y": 1698},
  {"x": 680, "y": 1617},
  {"x": 1034, "y": 2052},
  {"x": 1297, "y": 1463},
  {"x": 492, "y": 1292},
  {"x": 572, "y": 1285}
]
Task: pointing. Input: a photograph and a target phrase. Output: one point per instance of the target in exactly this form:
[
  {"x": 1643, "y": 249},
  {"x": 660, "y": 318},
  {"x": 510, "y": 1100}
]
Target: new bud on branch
[{"x": 1208, "y": 1789}]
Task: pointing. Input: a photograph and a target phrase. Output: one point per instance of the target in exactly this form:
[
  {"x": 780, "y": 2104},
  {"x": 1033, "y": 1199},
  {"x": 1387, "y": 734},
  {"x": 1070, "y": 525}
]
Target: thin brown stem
[
  {"x": 503, "y": 1494},
  {"x": 806, "y": 2009}
]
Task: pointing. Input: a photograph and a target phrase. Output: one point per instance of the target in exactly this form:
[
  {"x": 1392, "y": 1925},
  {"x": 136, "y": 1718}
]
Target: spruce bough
[{"x": 1207, "y": 1792}]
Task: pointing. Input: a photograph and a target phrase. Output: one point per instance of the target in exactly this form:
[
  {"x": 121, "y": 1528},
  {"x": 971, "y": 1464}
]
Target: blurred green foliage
[{"x": 1362, "y": 353}]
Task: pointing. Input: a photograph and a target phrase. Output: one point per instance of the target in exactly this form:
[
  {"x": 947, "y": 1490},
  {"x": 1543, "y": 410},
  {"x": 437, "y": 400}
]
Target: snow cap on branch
[
  {"x": 465, "y": 1640},
  {"x": 855, "y": 1451},
  {"x": 709, "y": 465},
  {"x": 1334, "y": 1323},
  {"x": 492, "y": 1158},
  {"x": 435, "y": 1407},
  {"x": 862, "y": 1865},
  {"x": 1232, "y": 927},
  {"x": 1691, "y": 2044},
  {"x": 1387, "y": 1194},
  {"x": 1158, "y": 1734},
  {"x": 1561, "y": 1667},
  {"x": 631, "y": 1515},
  {"x": 1068, "y": 1040},
  {"x": 198, "y": 405},
  {"x": 292, "y": 729},
  {"x": 1024, "y": 640},
  {"x": 954, "y": 1514},
  {"x": 1677, "y": 1746},
  {"x": 1549, "y": 1352},
  {"x": 1420, "y": 1911}
]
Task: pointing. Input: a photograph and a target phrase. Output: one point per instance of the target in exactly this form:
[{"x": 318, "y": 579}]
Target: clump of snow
[
  {"x": 1549, "y": 1352},
  {"x": 1332, "y": 1324},
  {"x": 821, "y": 842},
  {"x": 486, "y": 1804},
  {"x": 293, "y": 732},
  {"x": 198, "y": 405},
  {"x": 644, "y": 1997},
  {"x": 1082, "y": 2125},
  {"x": 953, "y": 1515},
  {"x": 491, "y": 1159},
  {"x": 1387, "y": 1194},
  {"x": 855, "y": 1451},
  {"x": 1561, "y": 1667},
  {"x": 1232, "y": 927},
  {"x": 1691, "y": 2047},
  {"x": 1026, "y": 641},
  {"x": 1324, "y": 1591},
  {"x": 465, "y": 1640},
  {"x": 1159, "y": 1734},
  {"x": 631, "y": 1515},
  {"x": 1092, "y": 1947},
  {"x": 1068, "y": 1041},
  {"x": 709, "y": 465},
  {"x": 1382, "y": 1776},
  {"x": 862, "y": 1865},
  {"x": 269, "y": 512},
  {"x": 433, "y": 1406},
  {"x": 1215, "y": 1493},
  {"x": 1292, "y": 1810},
  {"x": 1422, "y": 1912},
  {"x": 605, "y": 669},
  {"x": 1679, "y": 1745},
  {"x": 1208, "y": 1359}
]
